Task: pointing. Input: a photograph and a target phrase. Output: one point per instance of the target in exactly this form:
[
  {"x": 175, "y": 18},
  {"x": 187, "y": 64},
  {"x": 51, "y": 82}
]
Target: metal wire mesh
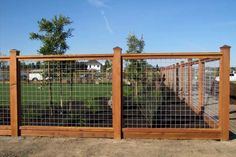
[
  {"x": 4, "y": 93},
  {"x": 211, "y": 90},
  {"x": 161, "y": 93},
  {"x": 66, "y": 93}
]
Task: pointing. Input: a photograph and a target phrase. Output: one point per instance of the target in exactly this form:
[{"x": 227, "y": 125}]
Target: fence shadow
[{"x": 232, "y": 136}]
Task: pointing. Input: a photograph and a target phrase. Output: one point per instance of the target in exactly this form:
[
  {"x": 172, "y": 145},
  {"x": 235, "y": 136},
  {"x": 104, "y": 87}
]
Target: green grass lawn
[
  {"x": 40, "y": 94},
  {"x": 34, "y": 92}
]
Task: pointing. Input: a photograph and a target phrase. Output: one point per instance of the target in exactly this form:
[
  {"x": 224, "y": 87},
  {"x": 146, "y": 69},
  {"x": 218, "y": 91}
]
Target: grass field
[{"x": 33, "y": 92}]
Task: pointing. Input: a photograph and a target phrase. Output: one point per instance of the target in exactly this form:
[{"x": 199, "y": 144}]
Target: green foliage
[
  {"x": 233, "y": 69},
  {"x": 134, "y": 44},
  {"x": 135, "y": 68},
  {"x": 107, "y": 67},
  {"x": 53, "y": 35}
]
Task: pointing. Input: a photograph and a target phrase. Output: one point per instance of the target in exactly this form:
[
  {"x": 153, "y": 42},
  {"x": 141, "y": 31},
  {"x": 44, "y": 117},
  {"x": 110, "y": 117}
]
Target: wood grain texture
[
  {"x": 224, "y": 91},
  {"x": 67, "y": 57},
  {"x": 14, "y": 92},
  {"x": 189, "y": 82},
  {"x": 5, "y": 130},
  {"x": 164, "y": 133},
  {"x": 66, "y": 131},
  {"x": 116, "y": 92},
  {"x": 201, "y": 71}
]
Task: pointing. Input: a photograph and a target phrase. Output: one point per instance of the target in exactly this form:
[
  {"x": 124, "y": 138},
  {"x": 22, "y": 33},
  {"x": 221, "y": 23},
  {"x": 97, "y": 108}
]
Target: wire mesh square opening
[
  {"x": 4, "y": 93},
  {"x": 164, "y": 93},
  {"x": 66, "y": 93}
]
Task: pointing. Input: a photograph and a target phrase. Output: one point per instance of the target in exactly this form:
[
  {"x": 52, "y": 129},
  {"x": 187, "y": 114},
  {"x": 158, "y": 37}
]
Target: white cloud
[
  {"x": 108, "y": 26},
  {"x": 98, "y": 3}
]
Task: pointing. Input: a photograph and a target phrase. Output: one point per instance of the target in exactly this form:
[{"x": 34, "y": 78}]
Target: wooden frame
[
  {"x": 201, "y": 70},
  {"x": 224, "y": 91},
  {"x": 15, "y": 92},
  {"x": 67, "y": 57},
  {"x": 5, "y": 130},
  {"x": 66, "y": 131},
  {"x": 116, "y": 92},
  {"x": 172, "y": 133},
  {"x": 189, "y": 102},
  {"x": 116, "y": 132}
]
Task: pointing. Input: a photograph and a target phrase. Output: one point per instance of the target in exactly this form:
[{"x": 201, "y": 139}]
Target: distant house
[{"x": 94, "y": 65}]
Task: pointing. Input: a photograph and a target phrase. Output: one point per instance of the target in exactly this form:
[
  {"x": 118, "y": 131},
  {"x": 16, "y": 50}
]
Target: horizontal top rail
[
  {"x": 67, "y": 57},
  {"x": 4, "y": 58},
  {"x": 172, "y": 55}
]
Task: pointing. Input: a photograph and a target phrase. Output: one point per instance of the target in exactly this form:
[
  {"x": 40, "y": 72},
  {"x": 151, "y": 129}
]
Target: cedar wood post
[
  {"x": 224, "y": 91},
  {"x": 201, "y": 72},
  {"x": 173, "y": 78},
  {"x": 177, "y": 79},
  {"x": 182, "y": 80},
  {"x": 116, "y": 91},
  {"x": 14, "y": 92},
  {"x": 190, "y": 82}
]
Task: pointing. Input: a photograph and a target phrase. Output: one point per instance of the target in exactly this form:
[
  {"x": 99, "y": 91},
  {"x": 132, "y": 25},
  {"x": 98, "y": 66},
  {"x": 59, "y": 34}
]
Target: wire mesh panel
[
  {"x": 4, "y": 93},
  {"x": 211, "y": 90},
  {"x": 159, "y": 94},
  {"x": 66, "y": 93},
  {"x": 195, "y": 86}
]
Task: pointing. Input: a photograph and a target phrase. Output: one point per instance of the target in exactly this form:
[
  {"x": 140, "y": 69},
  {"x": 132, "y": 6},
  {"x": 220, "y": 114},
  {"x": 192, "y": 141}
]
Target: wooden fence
[{"x": 177, "y": 77}]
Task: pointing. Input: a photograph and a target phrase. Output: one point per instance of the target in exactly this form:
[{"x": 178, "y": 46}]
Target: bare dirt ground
[
  {"x": 87, "y": 147},
  {"x": 78, "y": 147}
]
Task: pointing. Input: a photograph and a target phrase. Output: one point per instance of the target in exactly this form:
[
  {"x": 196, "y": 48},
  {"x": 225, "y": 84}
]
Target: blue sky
[{"x": 100, "y": 25}]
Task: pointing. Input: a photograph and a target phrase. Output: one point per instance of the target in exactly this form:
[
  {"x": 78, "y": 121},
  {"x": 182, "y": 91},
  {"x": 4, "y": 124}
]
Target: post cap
[
  {"x": 225, "y": 47},
  {"x": 117, "y": 48},
  {"x": 17, "y": 52}
]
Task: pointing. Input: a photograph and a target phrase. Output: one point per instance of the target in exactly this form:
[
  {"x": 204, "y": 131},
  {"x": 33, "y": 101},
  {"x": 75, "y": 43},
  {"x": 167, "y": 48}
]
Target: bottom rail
[
  {"x": 66, "y": 131},
  {"x": 161, "y": 133}
]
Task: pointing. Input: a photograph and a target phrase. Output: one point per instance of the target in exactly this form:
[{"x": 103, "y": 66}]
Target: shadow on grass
[{"x": 232, "y": 136}]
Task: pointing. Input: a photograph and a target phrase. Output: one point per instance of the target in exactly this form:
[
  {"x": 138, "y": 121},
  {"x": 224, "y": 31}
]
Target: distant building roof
[{"x": 93, "y": 62}]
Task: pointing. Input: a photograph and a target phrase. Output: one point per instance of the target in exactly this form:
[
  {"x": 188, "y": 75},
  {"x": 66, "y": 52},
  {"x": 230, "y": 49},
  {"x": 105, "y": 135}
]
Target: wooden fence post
[
  {"x": 224, "y": 91},
  {"x": 14, "y": 92},
  {"x": 173, "y": 78},
  {"x": 182, "y": 80},
  {"x": 201, "y": 72},
  {"x": 190, "y": 82},
  {"x": 177, "y": 78},
  {"x": 116, "y": 92}
]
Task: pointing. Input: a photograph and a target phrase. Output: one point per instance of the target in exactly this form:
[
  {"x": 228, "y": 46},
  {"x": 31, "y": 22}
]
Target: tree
[
  {"x": 107, "y": 68},
  {"x": 134, "y": 67},
  {"x": 53, "y": 35},
  {"x": 4, "y": 67}
]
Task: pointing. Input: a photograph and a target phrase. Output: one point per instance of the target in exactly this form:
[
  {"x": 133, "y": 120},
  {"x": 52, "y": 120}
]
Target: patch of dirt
[{"x": 87, "y": 147}]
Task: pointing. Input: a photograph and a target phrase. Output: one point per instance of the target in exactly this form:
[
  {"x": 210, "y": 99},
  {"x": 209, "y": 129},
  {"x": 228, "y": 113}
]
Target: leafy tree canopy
[
  {"x": 134, "y": 44},
  {"x": 53, "y": 35}
]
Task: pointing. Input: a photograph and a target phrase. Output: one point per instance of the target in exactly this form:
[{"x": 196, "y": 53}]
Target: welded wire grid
[
  {"x": 211, "y": 91},
  {"x": 195, "y": 86},
  {"x": 4, "y": 93},
  {"x": 66, "y": 93},
  {"x": 150, "y": 99}
]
